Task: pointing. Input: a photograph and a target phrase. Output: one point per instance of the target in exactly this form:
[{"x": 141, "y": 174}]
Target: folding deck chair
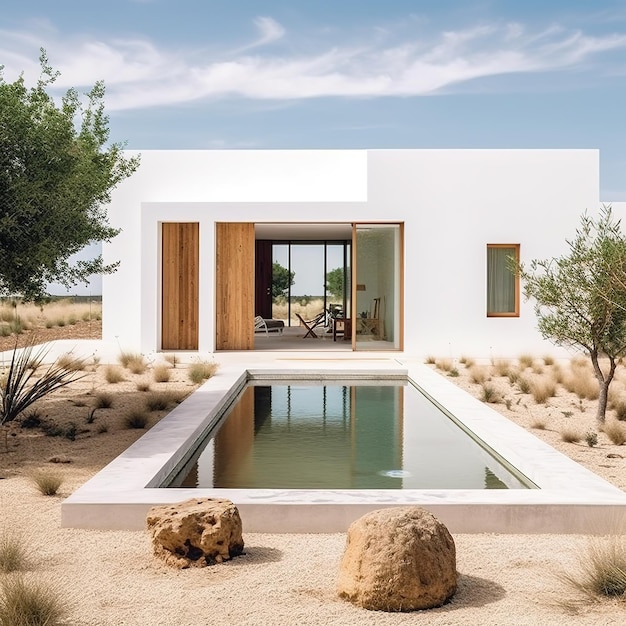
[{"x": 309, "y": 325}]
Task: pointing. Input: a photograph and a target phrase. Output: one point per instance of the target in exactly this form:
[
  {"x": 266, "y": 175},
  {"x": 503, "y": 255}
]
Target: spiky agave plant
[{"x": 22, "y": 383}]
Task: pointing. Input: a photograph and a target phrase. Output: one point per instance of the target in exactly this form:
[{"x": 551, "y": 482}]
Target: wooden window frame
[{"x": 516, "y": 311}]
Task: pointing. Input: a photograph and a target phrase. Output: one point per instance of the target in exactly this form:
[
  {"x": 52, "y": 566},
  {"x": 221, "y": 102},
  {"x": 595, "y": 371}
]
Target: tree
[
  {"x": 580, "y": 298},
  {"x": 282, "y": 279},
  {"x": 334, "y": 282},
  {"x": 56, "y": 172}
]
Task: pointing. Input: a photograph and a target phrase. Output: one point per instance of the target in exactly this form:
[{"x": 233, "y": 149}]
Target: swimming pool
[
  {"x": 568, "y": 498},
  {"x": 307, "y": 435}
]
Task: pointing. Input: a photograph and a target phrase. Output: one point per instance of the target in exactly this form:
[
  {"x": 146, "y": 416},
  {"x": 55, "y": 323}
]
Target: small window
[{"x": 502, "y": 281}]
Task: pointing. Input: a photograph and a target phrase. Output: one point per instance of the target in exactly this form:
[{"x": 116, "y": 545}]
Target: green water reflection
[{"x": 304, "y": 436}]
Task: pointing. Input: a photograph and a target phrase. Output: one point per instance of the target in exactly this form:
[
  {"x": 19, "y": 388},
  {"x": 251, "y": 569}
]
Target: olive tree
[
  {"x": 282, "y": 279},
  {"x": 57, "y": 170},
  {"x": 580, "y": 298}
]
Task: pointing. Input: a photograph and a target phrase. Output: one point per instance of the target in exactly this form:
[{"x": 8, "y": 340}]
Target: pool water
[{"x": 337, "y": 436}]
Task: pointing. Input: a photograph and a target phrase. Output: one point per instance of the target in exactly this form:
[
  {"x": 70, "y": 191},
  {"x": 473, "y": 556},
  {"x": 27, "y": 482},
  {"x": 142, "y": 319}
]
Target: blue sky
[{"x": 343, "y": 74}]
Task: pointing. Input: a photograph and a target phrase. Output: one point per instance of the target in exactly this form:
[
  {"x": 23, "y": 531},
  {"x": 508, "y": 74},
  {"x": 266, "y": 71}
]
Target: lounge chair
[{"x": 268, "y": 326}]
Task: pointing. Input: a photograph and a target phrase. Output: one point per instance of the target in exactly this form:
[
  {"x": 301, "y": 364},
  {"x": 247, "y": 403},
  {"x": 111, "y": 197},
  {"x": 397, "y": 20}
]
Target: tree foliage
[
  {"x": 56, "y": 172},
  {"x": 580, "y": 298},
  {"x": 335, "y": 282},
  {"x": 282, "y": 279}
]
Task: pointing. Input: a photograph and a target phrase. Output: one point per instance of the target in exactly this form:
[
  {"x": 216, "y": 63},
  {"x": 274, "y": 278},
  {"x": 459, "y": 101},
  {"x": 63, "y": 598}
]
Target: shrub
[
  {"x": 47, "y": 481},
  {"x": 602, "y": 568},
  {"x": 136, "y": 419},
  {"x": 19, "y": 388},
  {"x": 161, "y": 374},
  {"x": 591, "y": 438},
  {"x": 201, "y": 371},
  {"x": 615, "y": 432},
  {"x": 453, "y": 372},
  {"x": 569, "y": 435},
  {"x": 113, "y": 375},
  {"x": 478, "y": 374},
  {"x": 548, "y": 360},
  {"x": 538, "y": 424},
  {"x": 13, "y": 552},
  {"x": 29, "y": 603},
  {"x": 103, "y": 401}
]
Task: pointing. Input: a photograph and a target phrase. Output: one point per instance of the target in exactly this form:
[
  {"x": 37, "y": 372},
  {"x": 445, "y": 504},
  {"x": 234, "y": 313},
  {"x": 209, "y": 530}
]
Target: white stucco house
[{"x": 425, "y": 236}]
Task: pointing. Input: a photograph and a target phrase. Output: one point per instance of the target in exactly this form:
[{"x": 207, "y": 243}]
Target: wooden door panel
[
  {"x": 180, "y": 289},
  {"x": 234, "y": 286}
]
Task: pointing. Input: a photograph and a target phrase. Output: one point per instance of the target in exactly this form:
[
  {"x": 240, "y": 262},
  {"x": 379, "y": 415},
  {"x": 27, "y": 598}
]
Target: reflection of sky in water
[{"x": 339, "y": 437}]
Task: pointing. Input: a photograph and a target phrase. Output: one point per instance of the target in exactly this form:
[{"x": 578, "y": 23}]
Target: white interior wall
[{"x": 452, "y": 202}]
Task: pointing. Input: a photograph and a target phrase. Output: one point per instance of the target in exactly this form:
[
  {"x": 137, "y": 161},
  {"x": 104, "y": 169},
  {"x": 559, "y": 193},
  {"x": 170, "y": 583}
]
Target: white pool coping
[{"x": 570, "y": 498}]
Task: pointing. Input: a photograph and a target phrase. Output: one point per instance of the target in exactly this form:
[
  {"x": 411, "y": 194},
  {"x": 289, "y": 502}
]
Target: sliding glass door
[{"x": 377, "y": 288}]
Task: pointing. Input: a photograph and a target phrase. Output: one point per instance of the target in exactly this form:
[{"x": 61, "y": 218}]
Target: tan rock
[
  {"x": 398, "y": 559},
  {"x": 196, "y": 533}
]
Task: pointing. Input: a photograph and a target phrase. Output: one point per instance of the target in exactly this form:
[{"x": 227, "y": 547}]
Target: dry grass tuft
[
  {"x": 136, "y": 419},
  {"x": 601, "y": 568},
  {"x": 502, "y": 367},
  {"x": 103, "y": 401},
  {"x": 538, "y": 423},
  {"x": 478, "y": 374},
  {"x": 13, "y": 552},
  {"x": 523, "y": 384},
  {"x": 445, "y": 365},
  {"x": 542, "y": 389},
  {"x": 490, "y": 394},
  {"x": 133, "y": 361},
  {"x": 615, "y": 431},
  {"x": 430, "y": 360},
  {"x": 172, "y": 359},
  {"x": 113, "y": 375},
  {"x": 47, "y": 481},
  {"x": 201, "y": 371},
  {"x": 581, "y": 381},
  {"x": 159, "y": 401},
  {"x": 570, "y": 435},
  {"x": 26, "y": 602},
  {"x": 161, "y": 374},
  {"x": 548, "y": 360},
  {"x": 69, "y": 362},
  {"x": 525, "y": 360},
  {"x": 467, "y": 361}
]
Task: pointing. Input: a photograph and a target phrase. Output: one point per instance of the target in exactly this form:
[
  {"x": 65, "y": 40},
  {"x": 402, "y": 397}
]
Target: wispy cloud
[{"x": 139, "y": 73}]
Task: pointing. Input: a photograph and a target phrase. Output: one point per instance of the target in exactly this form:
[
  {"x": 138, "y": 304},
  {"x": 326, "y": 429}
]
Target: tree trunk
[{"x": 604, "y": 382}]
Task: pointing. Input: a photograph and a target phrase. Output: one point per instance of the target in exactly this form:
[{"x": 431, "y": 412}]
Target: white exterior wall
[{"x": 452, "y": 203}]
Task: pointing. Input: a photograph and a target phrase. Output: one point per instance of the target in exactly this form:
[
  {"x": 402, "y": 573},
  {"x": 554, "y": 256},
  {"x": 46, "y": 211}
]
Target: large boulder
[
  {"x": 196, "y": 533},
  {"x": 398, "y": 559}
]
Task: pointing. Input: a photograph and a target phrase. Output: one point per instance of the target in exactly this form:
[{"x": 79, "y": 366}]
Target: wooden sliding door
[
  {"x": 179, "y": 306},
  {"x": 234, "y": 286}
]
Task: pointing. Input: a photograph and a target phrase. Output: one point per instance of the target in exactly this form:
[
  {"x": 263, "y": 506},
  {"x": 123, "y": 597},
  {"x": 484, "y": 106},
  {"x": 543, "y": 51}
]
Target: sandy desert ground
[{"x": 111, "y": 578}]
